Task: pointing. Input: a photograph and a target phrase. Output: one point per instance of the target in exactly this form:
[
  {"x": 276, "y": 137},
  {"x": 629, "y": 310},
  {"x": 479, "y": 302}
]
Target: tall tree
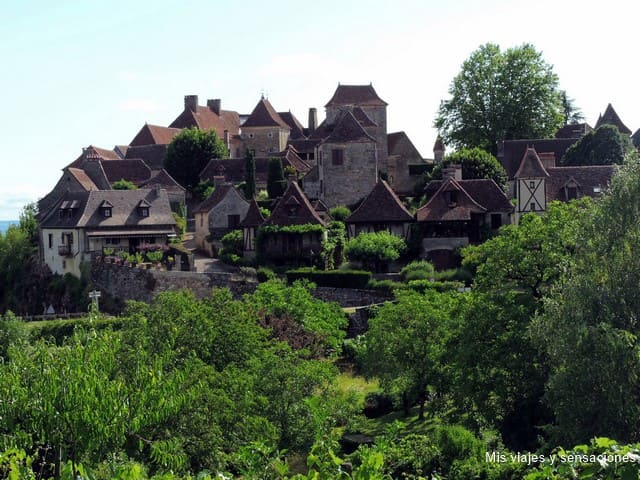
[
  {"x": 475, "y": 163},
  {"x": 572, "y": 114},
  {"x": 249, "y": 174},
  {"x": 500, "y": 96},
  {"x": 276, "y": 183},
  {"x": 189, "y": 152},
  {"x": 603, "y": 146}
]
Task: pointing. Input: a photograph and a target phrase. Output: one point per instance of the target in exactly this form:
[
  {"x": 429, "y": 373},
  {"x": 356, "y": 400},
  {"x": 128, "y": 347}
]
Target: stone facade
[{"x": 264, "y": 140}]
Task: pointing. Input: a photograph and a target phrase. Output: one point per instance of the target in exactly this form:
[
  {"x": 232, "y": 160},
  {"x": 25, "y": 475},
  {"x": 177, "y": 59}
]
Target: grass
[
  {"x": 348, "y": 382},
  {"x": 378, "y": 426}
]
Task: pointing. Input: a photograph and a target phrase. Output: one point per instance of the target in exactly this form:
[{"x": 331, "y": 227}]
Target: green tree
[
  {"x": 572, "y": 114},
  {"x": 276, "y": 183},
  {"x": 589, "y": 326},
  {"x": 603, "y": 146},
  {"x": 249, "y": 174},
  {"x": 404, "y": 346},
  {"x": 340, "y": 213},
  {"x": 123, "y": 184},
  {"x": 475, "y": 163},
  {"x": 500, "y": 96},
  {"x": 189, "y": 152},
  {"x": 375, "y": 250}
]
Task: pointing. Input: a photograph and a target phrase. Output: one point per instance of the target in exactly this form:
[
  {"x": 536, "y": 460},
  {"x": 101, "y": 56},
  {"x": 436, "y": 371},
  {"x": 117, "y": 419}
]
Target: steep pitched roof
[
  {"x": 363, "y": 118},
  {"x": 399, "y": 144},
  {"x": 206, "y": 119},
  {"x": 254, "y": 217},
  {"x": 485, "y": 192},
  {"x": 264, "y": 115},
  {"x": 124, "y": 205},
  {"x": 573, "y": 131},
  {"x": 531, "y": 166},
  {"x": 439, "y": 209},
  {"x": 154, "y": 135},
  {"x": 82, "y": 178},
  {"x": 294, "y": 208},
  {"x": 152, "y": 155},
  {"x": 610, "y": 117},
  {"x": 291, "y": 157},
  {"x": 297, "y": 130},
  {"x": 591, "y": 180},
  {"x": 164, "y": 180},
  {"x": 382, "y": 205},
  {"x": 219, "y": 193},
  {"x": 348, "y": 129},
  {"x": 510, "y": 152},
  {"x": 362, "y": 95},
  {"x": 134, "y": 170},
  {"x": 94, "y": 153}
]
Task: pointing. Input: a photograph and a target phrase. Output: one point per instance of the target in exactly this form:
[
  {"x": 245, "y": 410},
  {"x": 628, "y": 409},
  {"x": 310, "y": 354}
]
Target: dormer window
[
  {"x": 106, "y": 209},
  {"x": 143, "y": 208},
  {"x": 451, "y": 197},
  {"x": 293, "y": 206}
]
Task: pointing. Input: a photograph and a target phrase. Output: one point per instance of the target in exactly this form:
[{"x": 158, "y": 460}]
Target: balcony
[{"x": 65, "y": 250}]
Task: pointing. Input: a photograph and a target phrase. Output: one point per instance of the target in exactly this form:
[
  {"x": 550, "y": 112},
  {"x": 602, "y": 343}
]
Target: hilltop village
[{"x": 349, "y": 159}]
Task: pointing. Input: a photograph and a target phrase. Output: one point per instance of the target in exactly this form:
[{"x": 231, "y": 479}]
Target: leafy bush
[
  {"x": 424, "y": 285},
  {"x": 331, "y": 278},
  {"x": 462, "y": 274},
  {"x": 377, "y": 404},
  {"x": 385, "y": 285},
  {"x": 418, "y": 270},
  {"x": 375, "y": 250},
  {"x": 340, "y": 213},
  {"x": 265, "y": 274},
  {"x": 123, "y": 184}
]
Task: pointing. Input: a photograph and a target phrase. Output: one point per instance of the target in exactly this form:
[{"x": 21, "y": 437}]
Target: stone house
[
  {"x": 458, "y": 213},
  {"x": 82, "y": 224},
  {"x": 250, "y": 224},
  {"x": 380, "y": 210},
  {"x": 294, "y": 231},
  {"x": 219, "y": 214}
]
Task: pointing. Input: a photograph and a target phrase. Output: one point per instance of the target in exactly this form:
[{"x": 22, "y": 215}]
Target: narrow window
[
  {"x": 533, "y": 207},
  {"x": 337, "y": 157},
  {"x": 496, "y": 221},
  {"x": 50, "y": 240}
]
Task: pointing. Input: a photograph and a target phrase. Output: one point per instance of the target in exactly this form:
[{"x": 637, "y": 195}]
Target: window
[
  {"x": 532, "y": 207},
  {"x": 532, "y": 184},
  {"x": 451, "y": 197},
  {"x": 50, "y": 240},
  {"x": 270, "y": 134},
  {"x": 337, "y": 156},
  {"x": 251, "y": 135},
  {"x": 572, "y": 193},
  {"x": 112, "y": 241},
  {"x": 144, "y": 211},
  {"x": 202, "y": 220},
  {"x": 496, "y": 221},
  {"x": 233, "y": 221},
  {"x": 106, "y": 211}
]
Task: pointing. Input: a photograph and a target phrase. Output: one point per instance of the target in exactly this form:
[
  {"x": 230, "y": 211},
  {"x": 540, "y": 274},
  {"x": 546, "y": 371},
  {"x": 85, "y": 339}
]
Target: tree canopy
[
  {"x": 276, "y": 183},
  {"x": 603, "y": 146},
  {"x": 475, "y": 163},
  {"x": 189, "y": 152},
  {"x": 501, "y": 96}
]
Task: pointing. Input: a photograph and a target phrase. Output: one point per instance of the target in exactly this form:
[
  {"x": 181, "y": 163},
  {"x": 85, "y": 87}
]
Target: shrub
[
  {"x": 331, "y": 278},
  {"x": 418, "y": 270},
  {"x": 385, "y": 285},
  {"x": 265, "y": 274},
  {"x": 377, "y": 404},
  {"x": 375, "y": 250},
  {"x": 340, "y": 213},
  {"x": 424, "y": 285}
]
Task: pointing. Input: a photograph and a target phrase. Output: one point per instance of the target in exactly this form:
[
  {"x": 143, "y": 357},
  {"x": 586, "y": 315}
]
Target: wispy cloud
[
  {"x": 140, "y": 105},
  {"x": 14, "y": 197}
]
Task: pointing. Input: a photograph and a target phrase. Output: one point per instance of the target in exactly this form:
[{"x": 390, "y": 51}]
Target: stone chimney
[
  {"x": 548, "y": 159},
  {"x": 313, "y": 119},
  {"x": 452, "y": 171},
  {"x": 215, "y": 105},
  {"x": 191, "y": 102}
]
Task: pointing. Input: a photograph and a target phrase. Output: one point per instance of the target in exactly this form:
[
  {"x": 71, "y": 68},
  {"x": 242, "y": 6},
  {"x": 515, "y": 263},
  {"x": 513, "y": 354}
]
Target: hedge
[
  {"x": 331, "y": 278},
  {"x": 60, "y": 329}
]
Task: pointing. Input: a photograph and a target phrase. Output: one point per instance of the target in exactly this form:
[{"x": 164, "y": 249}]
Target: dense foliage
[
  {"x": 189, "y": 152},
  {"x": 249, "y": 174},
  {"x": 501, "y": 95},
  {"x": 375, "y": 250},
  {"x": 276, "y": 183},
  {"x": 476, "y": 163},
  {"x": 603, "y": 146}
]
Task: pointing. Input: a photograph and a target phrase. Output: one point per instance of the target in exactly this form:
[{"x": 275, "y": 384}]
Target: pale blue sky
[{"x": 93, "y": 72}]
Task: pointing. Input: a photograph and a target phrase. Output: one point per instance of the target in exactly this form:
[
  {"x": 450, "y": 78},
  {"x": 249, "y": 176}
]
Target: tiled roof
[
  {"x": 303, "y": 145},
  {"x": 303, "y": 212},
  {"x": 166, "y": 181},
  {"x": 219, "y": 193},
  {"x": 264, "y": 115},
  {"x": 531, "y": 166},
  {"x": 591, "y": 180},
  {"x": 82, "y": 178},
  {"x": 296, "y": 127},
  {"x": 485, "y": 192},
  {"x": 124, "y": 210},
  {"x": 134, "y": 170},
  {"x": 154, "y": 135},
  {"x": 291, "y": 158},
  {"x": 152, "y": 155},
  {"x": 94, "y": 153},
  {"x": 382, "y": 205},
  {"x": 348, "y": 129},
  {"x": 399, "y": 144},
  {"x": 510, "y": 152},
  {"x": 610, "y": 117},
  {"x": 574, "y": 131},
  {"x": 362, "y": 95},
  {"x": 438, "y": 209},
  {"x": 121, "y": 150},
  {"x": 206, "y": 119},
  {"x": 363, "y": 118},
  {"x": 254, "y": 217}
]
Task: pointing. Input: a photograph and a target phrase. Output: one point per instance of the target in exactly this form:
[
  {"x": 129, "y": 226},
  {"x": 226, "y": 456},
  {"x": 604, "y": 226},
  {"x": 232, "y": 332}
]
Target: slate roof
[
  {"x": 152, "y": 155},
  {"x": 438, "y": 209},
  {"x": 254, "y": 217},
  {"x": 134, "y": 170},
  {"x": 610, "y": 117},
  {"x": 363, "y": 95},
  {"x": 297, "y": 130},
  {"x": 382, "y": 205},
  {"x": 531, "y": 166},
  {"x": 220, "y": 192},
  {"x": 510, "y": 152},
  {"x": 573, "y": 131},
  {"x": 348, "y": 129},
  {"x": 82, "y": 178},
  {"x": 485, "y": 192},
  {"x": 154, "y": 135},
  {"x": 363, "y": 118},
  {"x": 264, "y": 115},
  {"x": 124, "y": 211},
  {"x": 294, "y": 199},
  {"x": 166, "y": 181},
  {"x": 399, "y": 144},
  {"x": 588, "y": 178}
]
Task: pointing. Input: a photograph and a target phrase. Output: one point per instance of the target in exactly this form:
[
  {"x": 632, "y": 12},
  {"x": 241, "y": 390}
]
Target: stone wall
[{"x": 351, "y": 297}]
